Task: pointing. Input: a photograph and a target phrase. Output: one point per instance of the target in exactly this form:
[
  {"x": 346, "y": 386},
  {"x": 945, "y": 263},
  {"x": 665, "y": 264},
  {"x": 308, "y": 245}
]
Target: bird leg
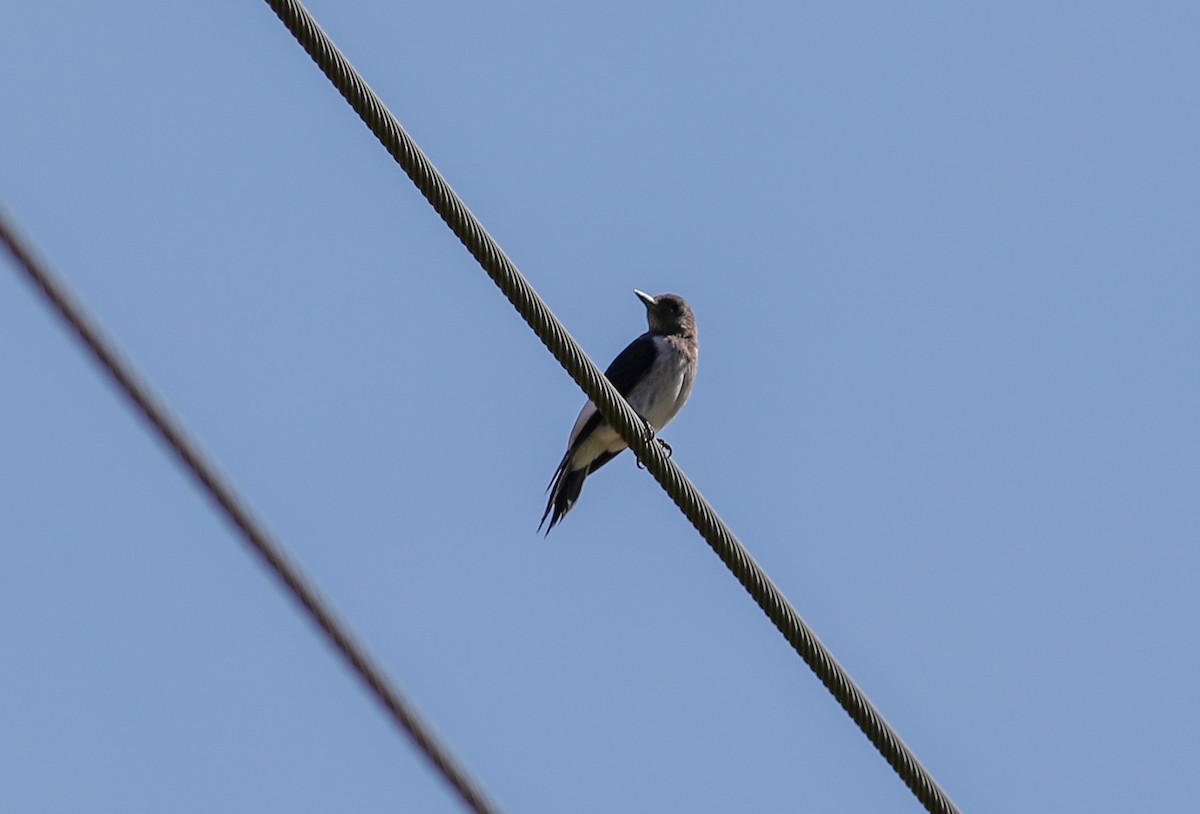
[{"x": 649, "y": 427}]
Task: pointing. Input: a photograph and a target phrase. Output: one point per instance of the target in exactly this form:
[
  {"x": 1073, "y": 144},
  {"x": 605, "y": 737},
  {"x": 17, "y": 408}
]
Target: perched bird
[{"x": 654, "y": 374}]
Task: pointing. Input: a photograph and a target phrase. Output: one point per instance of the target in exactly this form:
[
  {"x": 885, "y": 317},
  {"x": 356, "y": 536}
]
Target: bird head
[{"x": 668, "y": 314}]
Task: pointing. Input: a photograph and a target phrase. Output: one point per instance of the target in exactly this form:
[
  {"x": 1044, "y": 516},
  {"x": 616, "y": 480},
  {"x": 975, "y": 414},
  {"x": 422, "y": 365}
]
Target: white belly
[{"x": 660, "y": 404}]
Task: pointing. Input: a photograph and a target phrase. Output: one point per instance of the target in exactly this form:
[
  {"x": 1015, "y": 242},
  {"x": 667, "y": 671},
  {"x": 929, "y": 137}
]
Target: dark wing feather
[
  {"x": 601, "y": 460},
  {"x": 624, "y": 372},
  {"x": 632, "y": 363}
]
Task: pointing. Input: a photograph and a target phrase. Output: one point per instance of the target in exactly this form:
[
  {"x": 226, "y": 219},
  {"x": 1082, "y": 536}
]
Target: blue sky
[{"x": 944, "y": 264}]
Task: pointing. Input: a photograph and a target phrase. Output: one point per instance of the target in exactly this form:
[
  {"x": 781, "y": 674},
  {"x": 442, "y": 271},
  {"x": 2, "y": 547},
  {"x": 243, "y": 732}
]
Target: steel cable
[
  {"x": 566, "y": 350},
  {"x": 154, "y": 413}
]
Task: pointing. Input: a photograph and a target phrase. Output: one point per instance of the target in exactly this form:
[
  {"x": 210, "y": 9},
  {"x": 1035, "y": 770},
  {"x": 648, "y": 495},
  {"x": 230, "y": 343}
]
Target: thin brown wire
[{"x": 254, "y": 533}]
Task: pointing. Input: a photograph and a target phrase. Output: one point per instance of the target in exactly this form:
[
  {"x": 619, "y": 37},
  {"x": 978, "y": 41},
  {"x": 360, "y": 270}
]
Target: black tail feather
[{"x": 564, "y": 490}]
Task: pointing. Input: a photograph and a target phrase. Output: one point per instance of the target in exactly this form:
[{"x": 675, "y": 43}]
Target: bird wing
[
  {"x": 632, "y": 364},
  {"x": 629, "y": 368}
]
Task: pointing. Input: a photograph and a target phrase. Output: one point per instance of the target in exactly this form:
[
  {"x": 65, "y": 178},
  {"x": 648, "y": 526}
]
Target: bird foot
[{"x": 666, "y": 448}]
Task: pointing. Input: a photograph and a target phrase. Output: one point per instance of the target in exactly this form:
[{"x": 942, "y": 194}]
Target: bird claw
[{"x": 666, "y": 448}]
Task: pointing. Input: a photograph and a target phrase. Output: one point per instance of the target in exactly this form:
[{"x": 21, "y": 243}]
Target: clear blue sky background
[{"x": 945, "y": 264}]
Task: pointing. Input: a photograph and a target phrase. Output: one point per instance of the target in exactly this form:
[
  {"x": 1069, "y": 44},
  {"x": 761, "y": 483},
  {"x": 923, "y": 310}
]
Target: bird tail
[{"x": 564, "y": 490}]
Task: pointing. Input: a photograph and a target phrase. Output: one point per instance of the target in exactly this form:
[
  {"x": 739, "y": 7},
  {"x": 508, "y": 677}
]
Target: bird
[{"x": 655, "y": 374}]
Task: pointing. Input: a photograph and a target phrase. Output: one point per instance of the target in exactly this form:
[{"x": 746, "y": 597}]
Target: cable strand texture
[
  {"x": 566, "y": 350},
  {"x": 235, "y": 510}
]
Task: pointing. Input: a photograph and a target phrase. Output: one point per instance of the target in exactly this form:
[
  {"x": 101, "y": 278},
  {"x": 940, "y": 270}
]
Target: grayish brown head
[{"x": 668, "y": 315}]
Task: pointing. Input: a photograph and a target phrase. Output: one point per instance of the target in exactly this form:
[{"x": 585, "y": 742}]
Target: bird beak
[{"x": 646, "y": 298}]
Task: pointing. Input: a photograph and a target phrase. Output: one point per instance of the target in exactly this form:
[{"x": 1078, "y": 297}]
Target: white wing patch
[{"x": 587, "y": 412}]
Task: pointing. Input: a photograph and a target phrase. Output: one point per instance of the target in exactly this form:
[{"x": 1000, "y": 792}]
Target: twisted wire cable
[
  {"x": 632, "y": 429},
  {"x": 155, "y": 414}
]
